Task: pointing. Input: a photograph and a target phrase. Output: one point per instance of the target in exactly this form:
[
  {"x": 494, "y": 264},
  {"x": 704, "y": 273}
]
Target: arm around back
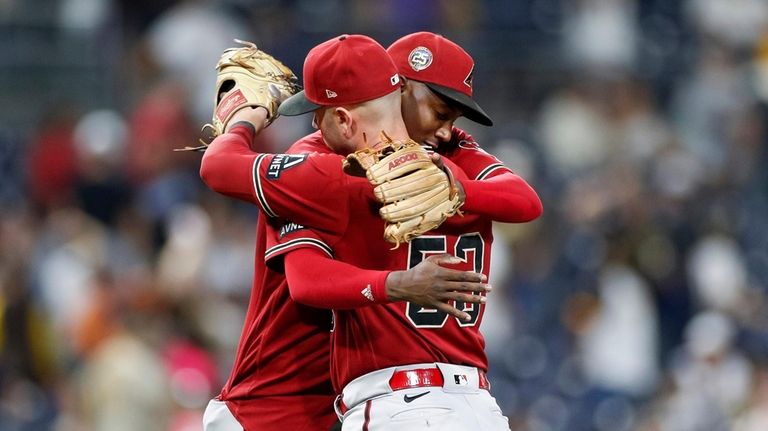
[
  {"x": 317, "y": 280},
  {"x": 505, "y": 198},
  {"x": 227, "y": 164}
]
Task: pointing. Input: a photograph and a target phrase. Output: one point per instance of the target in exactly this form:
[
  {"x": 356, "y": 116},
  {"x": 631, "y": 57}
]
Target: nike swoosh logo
[{"x": 409, "y": 398}]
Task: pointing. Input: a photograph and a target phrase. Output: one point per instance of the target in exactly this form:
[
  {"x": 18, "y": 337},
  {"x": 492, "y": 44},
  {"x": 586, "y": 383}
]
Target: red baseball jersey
[{"x": 346, "y": 225}]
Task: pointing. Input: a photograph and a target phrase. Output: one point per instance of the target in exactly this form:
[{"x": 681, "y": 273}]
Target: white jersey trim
[
  {"x": 257, "y": 187},
  {"x": 491, "y": 168},
  {"x": 296, "y": 242}
]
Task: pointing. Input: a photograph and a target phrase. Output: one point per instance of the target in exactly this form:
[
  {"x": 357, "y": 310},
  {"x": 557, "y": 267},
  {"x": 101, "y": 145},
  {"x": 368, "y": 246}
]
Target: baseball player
[
  {"x": 437, "y": 79},
  {"x": 396, "y": 363},
  {"x": 280, "y": 377}
]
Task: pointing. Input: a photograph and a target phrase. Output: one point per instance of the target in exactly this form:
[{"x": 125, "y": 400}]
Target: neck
[
  {"x": 395, "y": 129},
  {"x": 376, "y": 116}
]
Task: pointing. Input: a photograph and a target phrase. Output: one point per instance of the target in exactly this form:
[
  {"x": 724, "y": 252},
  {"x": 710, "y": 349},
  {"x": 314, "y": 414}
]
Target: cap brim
[
  {"x": 469, "y": 107},
  {"x": 296, "y": 105}
]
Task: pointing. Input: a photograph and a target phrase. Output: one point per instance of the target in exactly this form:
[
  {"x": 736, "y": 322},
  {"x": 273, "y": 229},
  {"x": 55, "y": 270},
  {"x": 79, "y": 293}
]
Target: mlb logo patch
[{"x": 461, "y": 379}]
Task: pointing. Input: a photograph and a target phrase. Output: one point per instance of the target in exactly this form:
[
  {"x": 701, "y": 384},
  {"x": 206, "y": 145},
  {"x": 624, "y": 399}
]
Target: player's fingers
[
  {"x": 437, "y": 160},
  {"x": 444, "y": 259},
  {"x": 466, "y": 298},
  {"x": 453, "y": 311},
  {"x": 465, "y": 287},
  {"x": 458, "y": 275},
  {"x": 274, "y": 91}
]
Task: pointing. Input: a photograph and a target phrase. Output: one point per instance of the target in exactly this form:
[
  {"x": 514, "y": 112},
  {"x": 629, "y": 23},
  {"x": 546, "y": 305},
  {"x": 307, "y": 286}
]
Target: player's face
[{"x": 428, "y": 118}]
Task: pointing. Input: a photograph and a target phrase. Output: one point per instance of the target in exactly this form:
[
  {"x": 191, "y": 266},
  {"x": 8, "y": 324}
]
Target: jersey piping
[
  {"x": 295, "y": 243},
  {"x": 487, "y": 171},
  {"x": 257, "y": 187}
]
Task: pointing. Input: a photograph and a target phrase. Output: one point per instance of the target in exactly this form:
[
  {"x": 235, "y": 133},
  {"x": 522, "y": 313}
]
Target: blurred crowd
[{"x": 639, "y": 301}]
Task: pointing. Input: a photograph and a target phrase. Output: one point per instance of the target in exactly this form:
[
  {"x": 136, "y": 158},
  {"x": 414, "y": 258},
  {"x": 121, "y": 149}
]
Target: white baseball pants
[{"x": 456, "y": 401}]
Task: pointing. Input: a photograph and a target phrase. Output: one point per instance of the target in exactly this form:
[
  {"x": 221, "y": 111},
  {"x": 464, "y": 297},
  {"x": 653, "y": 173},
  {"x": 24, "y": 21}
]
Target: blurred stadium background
[{"x": 637, "y": 302}]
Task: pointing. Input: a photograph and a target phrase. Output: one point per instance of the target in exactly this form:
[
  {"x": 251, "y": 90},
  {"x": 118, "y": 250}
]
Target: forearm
[
  {"x": 226, "y": 166},
  {"x": 505, "y": 198},
  {"x": 315, "y": 279}
]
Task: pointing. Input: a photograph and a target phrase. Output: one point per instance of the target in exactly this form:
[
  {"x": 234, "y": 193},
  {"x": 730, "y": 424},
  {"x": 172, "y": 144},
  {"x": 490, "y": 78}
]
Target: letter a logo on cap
[{"x": 330, "y": 94}]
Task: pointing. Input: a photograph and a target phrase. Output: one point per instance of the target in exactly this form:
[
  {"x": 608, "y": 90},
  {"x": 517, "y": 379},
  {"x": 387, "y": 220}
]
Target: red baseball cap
[
  {"x": 345, "y": 70},
  {"x": 443, "y": 66}
]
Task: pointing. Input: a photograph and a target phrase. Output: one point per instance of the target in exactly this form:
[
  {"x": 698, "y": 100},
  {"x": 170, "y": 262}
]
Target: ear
[
  {"x": 405, "y": 85},
  {"x": 345, "y": 122}
]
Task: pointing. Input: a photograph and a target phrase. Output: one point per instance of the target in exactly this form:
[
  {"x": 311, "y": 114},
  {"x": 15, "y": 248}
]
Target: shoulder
[
  {"x": 312, "y": 143},
  {"x": 461, "y": 135},
  {"x": 312, "y": 149},
  {"x": 460, "y": 142},
  {"x": 464, "y": 141},
  {"x": 465, "y": 152}
]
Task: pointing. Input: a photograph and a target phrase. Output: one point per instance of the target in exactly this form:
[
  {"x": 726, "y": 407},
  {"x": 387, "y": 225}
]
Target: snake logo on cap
[{"x": 420, "y": 58}]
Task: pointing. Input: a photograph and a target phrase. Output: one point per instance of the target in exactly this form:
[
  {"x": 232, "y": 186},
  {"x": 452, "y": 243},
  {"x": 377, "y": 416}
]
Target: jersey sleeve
[
  {"x": 505, "y": 198},
  {"x": 492, "y": 190},
  {"x": 306, "y": 188},
  {"x": 227, "y": 163},
  {"x": 314, "y": 277},
  {"x": 284, "y": 236},
  {"x": 317, "y": 280},
  {"x": 309, "y": 189}
]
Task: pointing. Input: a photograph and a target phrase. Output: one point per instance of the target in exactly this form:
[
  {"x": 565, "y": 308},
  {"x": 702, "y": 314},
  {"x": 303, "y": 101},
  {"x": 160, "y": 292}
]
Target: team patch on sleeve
[
  {"x": 281, "y": 162},
  {"x": 290, "y": 227}
]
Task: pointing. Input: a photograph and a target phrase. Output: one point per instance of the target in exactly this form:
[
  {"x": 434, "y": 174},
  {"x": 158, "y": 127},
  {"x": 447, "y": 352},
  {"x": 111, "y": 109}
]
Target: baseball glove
[
  {"x": 417, "y": 195},
  {"x": 247, "y": 77}
]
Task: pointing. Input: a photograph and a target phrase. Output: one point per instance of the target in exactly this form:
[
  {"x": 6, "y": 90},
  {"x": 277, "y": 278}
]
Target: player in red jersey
[
  {"x": 280, "y": 376},
  {"x": 384, "y": 356},
  {"x": 437, "y": 79}
]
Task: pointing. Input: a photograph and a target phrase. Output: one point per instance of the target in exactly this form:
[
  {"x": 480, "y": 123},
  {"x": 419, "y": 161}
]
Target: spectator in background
[
  {"x": 162, "y": 179},
  {"x": 50, "y": 161},
  {"x": 185, "y": 40},
  {"x": 712, "y": 380},
  {"x": 101, "y": 188}
]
